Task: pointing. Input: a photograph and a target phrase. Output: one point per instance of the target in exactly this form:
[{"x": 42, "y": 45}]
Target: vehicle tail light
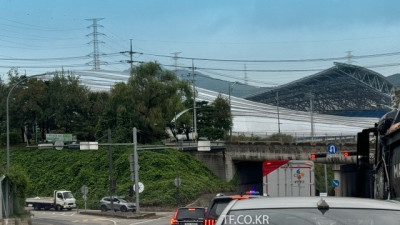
[
  {"x": 209, "y": 222},
  {"x": 173, "y": 220}
]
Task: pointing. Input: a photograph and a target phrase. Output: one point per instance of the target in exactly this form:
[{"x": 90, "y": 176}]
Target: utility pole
[
  {"x": 312, "y": 116},
  {"x": 230, "y": 105},
  {"x": 110, "y": 170},
  {"x": 136, "y": 166},
  {"x": 96, "y": 54},
  {"x": 194, "y": 104},
  {"x": 131, "y": 54},
  {"x": 277, "y": 109}
]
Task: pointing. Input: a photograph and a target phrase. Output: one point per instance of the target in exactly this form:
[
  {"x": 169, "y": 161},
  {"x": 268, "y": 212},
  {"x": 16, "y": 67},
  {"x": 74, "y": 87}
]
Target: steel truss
[{"x": 342, "y": 87}]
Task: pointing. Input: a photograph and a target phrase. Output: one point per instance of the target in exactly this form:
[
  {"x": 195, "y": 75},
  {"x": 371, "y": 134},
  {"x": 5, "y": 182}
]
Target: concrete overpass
[{"x": 244, "y": 159}]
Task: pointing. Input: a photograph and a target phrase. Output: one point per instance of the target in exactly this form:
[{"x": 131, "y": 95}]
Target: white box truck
[
  {"x": 288, "y": 178},
  {"x": 62, "y": 199}
]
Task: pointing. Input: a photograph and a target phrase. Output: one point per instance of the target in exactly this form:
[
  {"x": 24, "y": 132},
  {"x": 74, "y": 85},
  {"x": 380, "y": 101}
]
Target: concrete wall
[{"x": 223, "y": 162}]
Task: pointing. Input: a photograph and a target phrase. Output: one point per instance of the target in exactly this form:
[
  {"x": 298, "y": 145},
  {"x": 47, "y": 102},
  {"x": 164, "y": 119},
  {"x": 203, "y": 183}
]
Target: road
[{"x": 72, "y": 217}]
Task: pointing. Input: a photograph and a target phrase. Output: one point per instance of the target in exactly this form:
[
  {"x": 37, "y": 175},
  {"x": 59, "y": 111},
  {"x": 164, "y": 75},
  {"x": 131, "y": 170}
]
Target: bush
[{"x": 15, "y": 138}]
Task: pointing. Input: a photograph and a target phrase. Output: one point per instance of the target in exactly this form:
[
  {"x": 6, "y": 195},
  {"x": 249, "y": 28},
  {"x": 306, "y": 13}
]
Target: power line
[{"x": 278, "y": 60}]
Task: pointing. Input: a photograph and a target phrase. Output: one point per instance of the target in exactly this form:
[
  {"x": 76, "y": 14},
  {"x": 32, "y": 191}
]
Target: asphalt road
[{"x": 73, "y": 217}]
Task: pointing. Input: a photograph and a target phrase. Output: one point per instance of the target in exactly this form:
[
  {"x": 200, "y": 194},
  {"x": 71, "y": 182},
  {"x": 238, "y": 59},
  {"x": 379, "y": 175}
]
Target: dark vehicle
[
  {"x": 218, "y": 204},
  {"x": 119, "y": 204},
  {"x": 379, "y": 159},
  {"x": 189, "y": 216}
]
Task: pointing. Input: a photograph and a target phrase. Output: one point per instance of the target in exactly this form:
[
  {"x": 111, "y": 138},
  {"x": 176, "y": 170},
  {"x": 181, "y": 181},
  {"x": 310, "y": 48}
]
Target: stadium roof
[{"x": 342, "y": 87}]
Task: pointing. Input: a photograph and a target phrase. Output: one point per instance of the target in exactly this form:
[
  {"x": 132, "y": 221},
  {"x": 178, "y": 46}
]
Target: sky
[{"x": 259, "y": 42}]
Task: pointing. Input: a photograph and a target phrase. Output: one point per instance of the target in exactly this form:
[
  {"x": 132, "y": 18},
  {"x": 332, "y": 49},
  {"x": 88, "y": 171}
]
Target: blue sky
[{"x": 225, "y": 29}]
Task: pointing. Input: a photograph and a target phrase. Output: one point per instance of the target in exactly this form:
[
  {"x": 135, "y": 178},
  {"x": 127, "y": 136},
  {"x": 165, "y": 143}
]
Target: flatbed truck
[{"x": 62, "y": 199}]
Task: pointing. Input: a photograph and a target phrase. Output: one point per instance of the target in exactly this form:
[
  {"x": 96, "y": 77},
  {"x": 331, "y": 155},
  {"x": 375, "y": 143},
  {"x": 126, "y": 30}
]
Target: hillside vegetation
[{"x": 50, "y": 170}]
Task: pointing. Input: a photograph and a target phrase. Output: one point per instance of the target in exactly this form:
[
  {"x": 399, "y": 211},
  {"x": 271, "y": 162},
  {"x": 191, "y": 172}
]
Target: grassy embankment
[{"x": 50, "y": 170}]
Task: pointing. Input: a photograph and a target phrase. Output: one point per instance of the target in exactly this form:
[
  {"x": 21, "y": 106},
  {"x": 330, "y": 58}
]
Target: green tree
[
  {"x": 148, "y": 101},
  {"x": 56, "y": 105},
  {"x": 215, "y": 119},
  {"x": 96, "y": 105},
  {"x": 68, "y": 102}
]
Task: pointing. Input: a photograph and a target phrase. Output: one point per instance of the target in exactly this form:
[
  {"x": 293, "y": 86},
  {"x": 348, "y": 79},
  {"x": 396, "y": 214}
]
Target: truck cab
[{"x": 64, "y": 200}]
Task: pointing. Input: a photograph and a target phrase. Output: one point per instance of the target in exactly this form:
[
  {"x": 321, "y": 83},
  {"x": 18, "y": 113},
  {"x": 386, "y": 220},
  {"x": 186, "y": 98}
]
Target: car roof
[
  {"x": 196, "y": 207},
  {"x": 312, "y": 202}
]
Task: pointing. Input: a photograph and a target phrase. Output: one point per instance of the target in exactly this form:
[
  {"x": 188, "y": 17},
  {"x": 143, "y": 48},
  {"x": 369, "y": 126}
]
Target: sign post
[{"x": 84, "y": 190}]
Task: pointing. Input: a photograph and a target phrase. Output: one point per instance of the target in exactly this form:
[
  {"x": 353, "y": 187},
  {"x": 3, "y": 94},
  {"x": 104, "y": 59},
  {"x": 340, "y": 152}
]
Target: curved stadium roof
[{"x": 343, "y": 87}]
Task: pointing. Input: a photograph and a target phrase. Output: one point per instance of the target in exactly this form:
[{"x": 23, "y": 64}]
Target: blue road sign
[
  {"x": 332, "y": 149},
  {"x": 335, "y": 183}
]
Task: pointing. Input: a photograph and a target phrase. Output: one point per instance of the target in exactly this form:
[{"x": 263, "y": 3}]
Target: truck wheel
[
  {"x": 69, "y": 209},
  {"x": 123, "y": 208},
  {"x": 58, "y": 208},
  {"x": 103, "y": 208}
]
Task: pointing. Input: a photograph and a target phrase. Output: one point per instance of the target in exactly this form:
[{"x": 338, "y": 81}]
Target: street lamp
[
  {"x": 230, "y": 90},
  {"x": 8, "y": 135}
]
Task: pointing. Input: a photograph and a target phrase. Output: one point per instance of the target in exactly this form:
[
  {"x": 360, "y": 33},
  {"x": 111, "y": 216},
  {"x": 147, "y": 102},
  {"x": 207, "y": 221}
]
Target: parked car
[
  {"x": 218, "y": 204},
  {"x": 119, "y": 204},
  {"x": 189, "y": 216},
  {"x": 311, "y": 211}
]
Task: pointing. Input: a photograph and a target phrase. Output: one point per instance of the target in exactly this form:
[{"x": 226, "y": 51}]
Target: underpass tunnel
[{"x": 249, "y": 176}]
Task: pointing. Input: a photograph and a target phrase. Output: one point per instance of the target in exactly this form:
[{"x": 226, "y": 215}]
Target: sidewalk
[{"x": 126, "y": 215}]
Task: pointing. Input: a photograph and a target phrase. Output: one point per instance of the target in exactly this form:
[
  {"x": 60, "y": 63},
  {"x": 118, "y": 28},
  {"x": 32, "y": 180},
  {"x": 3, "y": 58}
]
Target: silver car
[
  {"x": 119, "y": 204},
  {"x": 311, "y": 211}
]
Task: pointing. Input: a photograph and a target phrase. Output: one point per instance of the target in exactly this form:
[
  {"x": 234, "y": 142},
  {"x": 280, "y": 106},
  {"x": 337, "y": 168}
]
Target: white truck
[
  {"x": 288, "y": 178},
  {"x": 62, "y": 199}
]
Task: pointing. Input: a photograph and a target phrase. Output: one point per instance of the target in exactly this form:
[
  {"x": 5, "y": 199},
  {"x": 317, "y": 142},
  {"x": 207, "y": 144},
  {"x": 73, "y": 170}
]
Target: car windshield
[
  {"x": 122, "y": 200},
  {"x": 67, "y": 195},
  {"x": 312, "y": 217},
  {"x": 191, "y": 213}
]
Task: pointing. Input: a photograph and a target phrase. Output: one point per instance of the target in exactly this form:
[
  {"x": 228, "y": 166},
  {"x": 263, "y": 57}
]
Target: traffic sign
[
  {"x": 177, "y": 181},
  {"x": 332, "y": 149},
  {"x": 59, "y": 145},
  {"x": 141, "y": 187},
  {"x": 84, "y": 189},
  {"x": 335, "y": 183}
]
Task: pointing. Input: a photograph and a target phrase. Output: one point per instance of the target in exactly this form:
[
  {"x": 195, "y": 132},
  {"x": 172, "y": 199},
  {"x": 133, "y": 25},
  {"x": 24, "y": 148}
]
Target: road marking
[{"x": 147, "y": 221}]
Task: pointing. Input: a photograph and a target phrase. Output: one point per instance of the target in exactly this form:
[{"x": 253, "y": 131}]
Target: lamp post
[{"x": 8, "y": 137}]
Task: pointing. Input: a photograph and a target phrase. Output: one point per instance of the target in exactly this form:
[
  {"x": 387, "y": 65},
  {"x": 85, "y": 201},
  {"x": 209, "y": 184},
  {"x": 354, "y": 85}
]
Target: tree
[
  {"x": 215, "y": 119},
  {"x": 148, "y": 101},
  {"x": 68, "y": 102},
  {"x": 56, "y": 105}
]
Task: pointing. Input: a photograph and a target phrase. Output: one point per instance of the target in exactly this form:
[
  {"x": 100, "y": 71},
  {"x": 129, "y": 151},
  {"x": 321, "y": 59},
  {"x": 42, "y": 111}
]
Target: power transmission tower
[
  {"x": 349, "y": 57},
  {"x": 176, "y": 61},
  {"x": 96, "y": 54},
  {"x": 245, "y": 75}
]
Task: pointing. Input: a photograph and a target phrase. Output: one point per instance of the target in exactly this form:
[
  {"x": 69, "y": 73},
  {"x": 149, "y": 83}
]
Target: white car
[
  {"x": 311, "y": 211},
  {"x": 119, "y": 203}
]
